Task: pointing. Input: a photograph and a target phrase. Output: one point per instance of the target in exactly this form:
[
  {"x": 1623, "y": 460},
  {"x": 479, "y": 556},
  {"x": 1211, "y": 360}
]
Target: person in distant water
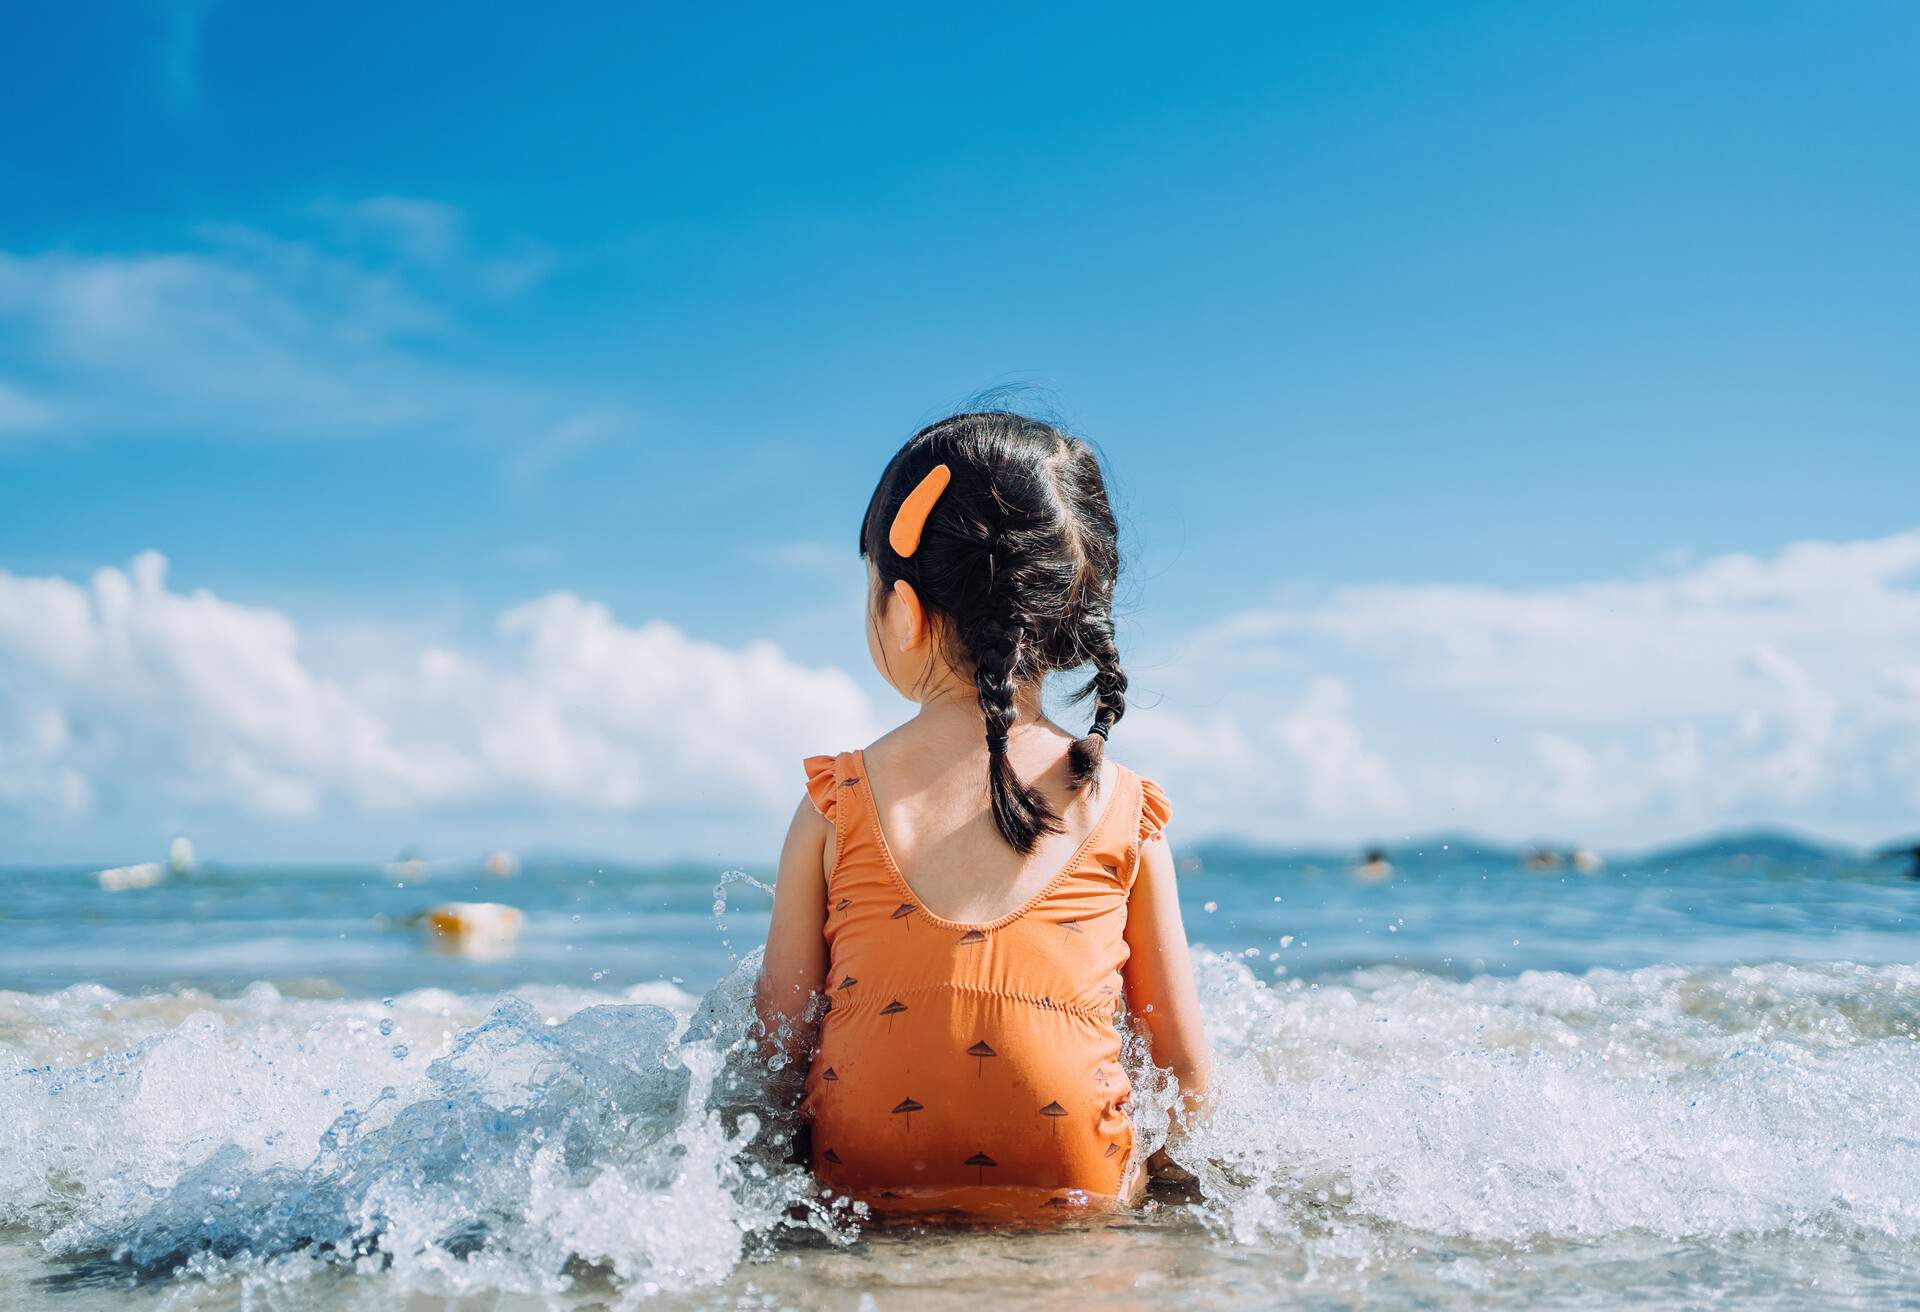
[
  {"x": 960, "y": 905},
  {"x": 1374, "y": 865}
]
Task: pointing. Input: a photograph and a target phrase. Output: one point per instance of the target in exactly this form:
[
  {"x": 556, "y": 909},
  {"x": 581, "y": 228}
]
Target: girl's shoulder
[
  {"x": 1155, "y": 809},
  {"x": 828, "y": 777}
]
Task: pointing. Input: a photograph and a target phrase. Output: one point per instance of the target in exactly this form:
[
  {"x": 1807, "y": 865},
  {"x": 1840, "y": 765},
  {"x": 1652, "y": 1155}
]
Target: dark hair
[{"x": 1017, "y": 565}]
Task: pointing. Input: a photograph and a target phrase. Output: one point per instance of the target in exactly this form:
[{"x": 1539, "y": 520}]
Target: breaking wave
[{"x": 558, "y": 1139}]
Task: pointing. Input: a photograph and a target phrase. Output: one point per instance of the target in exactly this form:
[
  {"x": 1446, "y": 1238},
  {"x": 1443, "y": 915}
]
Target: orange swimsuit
[{"x": 974, "y": 1069}]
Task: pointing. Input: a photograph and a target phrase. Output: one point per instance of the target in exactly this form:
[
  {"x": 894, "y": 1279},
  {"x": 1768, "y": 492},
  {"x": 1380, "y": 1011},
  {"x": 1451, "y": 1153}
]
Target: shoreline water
[{"x": 1395, "y": 1128}]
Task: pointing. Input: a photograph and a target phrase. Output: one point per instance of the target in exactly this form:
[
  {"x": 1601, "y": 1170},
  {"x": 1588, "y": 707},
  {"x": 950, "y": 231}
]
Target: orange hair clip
[{"x": 911, "y": 519}]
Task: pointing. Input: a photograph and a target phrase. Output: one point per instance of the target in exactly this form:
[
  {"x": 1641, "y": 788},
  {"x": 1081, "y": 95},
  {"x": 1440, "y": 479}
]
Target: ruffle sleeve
[
  {"x": 1155, "y": 810},
  {"x": 820, "y": 784}
]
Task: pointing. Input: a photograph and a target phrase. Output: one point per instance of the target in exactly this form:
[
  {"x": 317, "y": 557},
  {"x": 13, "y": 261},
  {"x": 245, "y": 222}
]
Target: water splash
[
  {"x": 626, "y": 1137},
  {"x": 1665, "y": 1102},
  {"x": 632, "y": 1142}
]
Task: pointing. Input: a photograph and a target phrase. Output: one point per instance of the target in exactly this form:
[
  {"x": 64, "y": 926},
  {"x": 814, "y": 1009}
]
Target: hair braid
[
  {"x": 1108, "y": 688},
  {"x": 1020, "y": 812}
]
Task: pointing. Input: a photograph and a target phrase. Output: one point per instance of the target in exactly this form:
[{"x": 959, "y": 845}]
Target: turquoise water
[
  {"x": 589, "y": 923},
  {"x": 1468, "y": 1084}
]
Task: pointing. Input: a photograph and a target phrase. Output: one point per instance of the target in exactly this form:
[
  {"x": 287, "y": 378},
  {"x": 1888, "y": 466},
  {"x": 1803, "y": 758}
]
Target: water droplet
[
  {"x": 400, "y": 1052},
  {"x": 386, "y": 1027}
]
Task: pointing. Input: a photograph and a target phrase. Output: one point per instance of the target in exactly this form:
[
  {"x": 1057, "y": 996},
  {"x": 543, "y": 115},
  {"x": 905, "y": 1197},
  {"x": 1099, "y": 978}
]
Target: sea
[{"x": 1681, "y": 1081}]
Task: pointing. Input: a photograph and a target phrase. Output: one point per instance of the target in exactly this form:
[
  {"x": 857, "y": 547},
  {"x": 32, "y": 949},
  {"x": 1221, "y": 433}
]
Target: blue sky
[{"x": 391, "y": 321}]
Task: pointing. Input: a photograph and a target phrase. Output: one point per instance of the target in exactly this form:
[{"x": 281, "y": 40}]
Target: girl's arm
[
  {"x": 1159, "y": 976},
  {"x": 795, "y": 965}
]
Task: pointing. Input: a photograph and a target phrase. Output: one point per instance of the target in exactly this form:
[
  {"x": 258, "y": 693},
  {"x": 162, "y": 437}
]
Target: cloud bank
[
  {"x": 1739, "y": 689},
  {"x": 124, "y": 696}
]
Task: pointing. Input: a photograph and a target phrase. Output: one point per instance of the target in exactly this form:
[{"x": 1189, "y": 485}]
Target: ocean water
[{"x": 1673, "y": 1083}]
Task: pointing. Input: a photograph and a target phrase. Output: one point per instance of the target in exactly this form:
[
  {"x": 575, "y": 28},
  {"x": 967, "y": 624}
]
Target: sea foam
[{"x": 453, "y": 1144}]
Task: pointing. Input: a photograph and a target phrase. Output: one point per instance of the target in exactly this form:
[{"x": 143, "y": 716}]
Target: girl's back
[{"x": 970, "y": 1061}]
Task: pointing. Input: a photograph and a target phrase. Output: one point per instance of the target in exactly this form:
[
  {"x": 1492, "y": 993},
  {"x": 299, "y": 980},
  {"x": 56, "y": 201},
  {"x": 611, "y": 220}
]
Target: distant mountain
[
  {"x": 1774, "y": 845},
  {"x": 1463, "y": 848}
]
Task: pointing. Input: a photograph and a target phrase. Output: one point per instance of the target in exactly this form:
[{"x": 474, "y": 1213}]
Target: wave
[{"x": 458, "y": 1144}]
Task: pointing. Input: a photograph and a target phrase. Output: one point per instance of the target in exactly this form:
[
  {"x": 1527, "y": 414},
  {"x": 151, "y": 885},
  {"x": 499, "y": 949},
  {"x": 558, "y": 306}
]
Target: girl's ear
[{"x": 907, "y": 621}]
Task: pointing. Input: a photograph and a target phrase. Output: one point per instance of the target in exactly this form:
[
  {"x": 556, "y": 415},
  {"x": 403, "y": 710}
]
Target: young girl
[{"x": 961, "y": 904}]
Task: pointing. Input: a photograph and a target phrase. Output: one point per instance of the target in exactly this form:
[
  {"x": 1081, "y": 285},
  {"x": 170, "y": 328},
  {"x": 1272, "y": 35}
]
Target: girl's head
[{"x": 1014, "y": 573}]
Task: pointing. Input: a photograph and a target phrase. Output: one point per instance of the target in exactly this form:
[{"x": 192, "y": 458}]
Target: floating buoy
[
  {"x": 180, "y": 855},
  {"x": 121, "y": 878},
  {"x": 502, "y": 864},
  {"x": 1588, "y": 862},
  {"x": 473, "y": 926}
]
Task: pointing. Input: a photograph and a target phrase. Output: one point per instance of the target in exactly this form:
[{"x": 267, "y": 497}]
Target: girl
[{"x": 959, "y": 905}]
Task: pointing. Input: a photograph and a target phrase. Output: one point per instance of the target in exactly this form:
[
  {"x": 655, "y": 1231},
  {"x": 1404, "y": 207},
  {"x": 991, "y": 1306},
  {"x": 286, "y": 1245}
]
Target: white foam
[
  {"x": 1684, "y": 1104},
  {"x": 445, "y": 1143}
]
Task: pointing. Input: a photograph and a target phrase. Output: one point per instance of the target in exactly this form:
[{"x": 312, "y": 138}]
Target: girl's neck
[{"x": 951, "y": 705}]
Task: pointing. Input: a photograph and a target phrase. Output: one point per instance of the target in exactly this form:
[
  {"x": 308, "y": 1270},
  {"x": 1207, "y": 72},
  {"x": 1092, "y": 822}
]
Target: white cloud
[
  {"x": 248, "y": 333},
  {"x": 1733, "y": 690},
  {"x": 1340, "y": 775},
  {"x": 125, "y": 692},
  {"x": 1739, "y": 688}
]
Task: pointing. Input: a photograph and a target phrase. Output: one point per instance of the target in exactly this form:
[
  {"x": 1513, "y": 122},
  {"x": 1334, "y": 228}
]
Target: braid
[
  {"x": 1108, "y": 688},
  {"x": 1019, "y": 812}
]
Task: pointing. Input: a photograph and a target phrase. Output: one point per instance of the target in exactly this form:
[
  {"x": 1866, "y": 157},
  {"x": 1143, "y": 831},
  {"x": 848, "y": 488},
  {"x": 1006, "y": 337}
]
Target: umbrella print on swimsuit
[
  {"x": 848, "y": 982},
  {"x": 972, "y": 937},
  {"x": 902, "y": 911},
  {"x": 1053, "y": 1111},
  {"x": 843, "y": 904},
  {"x": 891, "y": 1010},
  {"x": 980, "y": 1162},
  {"x": 832, "y": 1156},
  {"x": 980, "y": 1052},
  {"x": 830, "y": 1075},
  {"x": 1112, "y": 1148},
  {"x": 906, "y": 1109},
  {"x": 1072, "y": 927}
]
